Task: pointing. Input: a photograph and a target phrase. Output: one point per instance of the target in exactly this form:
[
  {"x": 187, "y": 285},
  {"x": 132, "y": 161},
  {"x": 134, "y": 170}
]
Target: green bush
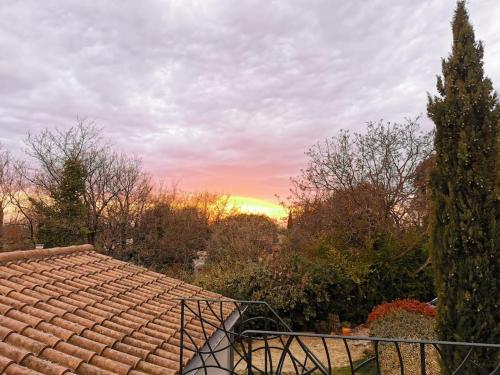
[
  {"x": 301, "y": 290},
  {"x": 241, "y": 281},
  {"x": 406, "y": 325},
  {"x": 363, "y": 280},
  {"x": 295, "y": 288},
  {"x": 353, "y": 286},
  {"x": 390, "y": 280},
  {"x": 308, "y": 291}
]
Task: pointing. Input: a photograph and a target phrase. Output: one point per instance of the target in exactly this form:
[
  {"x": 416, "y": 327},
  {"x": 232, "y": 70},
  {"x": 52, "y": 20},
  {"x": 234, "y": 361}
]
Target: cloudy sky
[{"x": 224, "y": 95}]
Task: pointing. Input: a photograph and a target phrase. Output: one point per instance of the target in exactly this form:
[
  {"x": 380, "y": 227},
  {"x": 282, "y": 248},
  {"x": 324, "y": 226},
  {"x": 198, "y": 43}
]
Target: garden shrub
[
  {"x": 409, "y": 305},
  {"x": 240, "y": 281},
  {"x": 379, "y": 282},
  {"x": 405, "y": 319},
  {"x": 298, "y": 289},
  {"x": 307, "y": 291}
]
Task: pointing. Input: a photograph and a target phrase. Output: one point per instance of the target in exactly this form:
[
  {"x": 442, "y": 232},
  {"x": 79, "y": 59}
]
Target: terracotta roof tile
[
  {"x": 74, "y": 311},
  {"x": 4, "y": 363},
  {"x": 45, "y": 367}
]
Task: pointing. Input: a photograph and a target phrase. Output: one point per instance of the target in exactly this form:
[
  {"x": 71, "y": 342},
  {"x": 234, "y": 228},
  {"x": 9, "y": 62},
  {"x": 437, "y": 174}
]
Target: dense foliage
[
  {"x": 241, "y": 236},
  {"x": 62, "y": 215},
  {"x": 167, "y": 235},
  {"x": 465, "y": 235},
  {"x": 308, "y": 290}
]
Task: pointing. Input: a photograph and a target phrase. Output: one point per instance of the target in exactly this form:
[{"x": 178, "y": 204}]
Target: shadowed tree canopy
[
  {"x": 115, "y": 186},
  {"x": 362, "y": 192},
  {"x": 242, "y": 237},
  {"x": 385, "y": 158}
]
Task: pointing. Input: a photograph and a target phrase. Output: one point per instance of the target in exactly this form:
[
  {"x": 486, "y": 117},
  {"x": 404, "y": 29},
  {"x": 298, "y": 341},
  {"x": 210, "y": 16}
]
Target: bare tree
[
  {"x": 6, "y": 181},
  {"x": 386, "y": 158},
  {"x": 50, "y": 149},
  {"x": 130, "y": 191},
  {"x": 101, "y": 189},
  {"x": 19, "y": 197},
  {"x": 116, "y": 188},
  {"x": 214, "y": 207}
]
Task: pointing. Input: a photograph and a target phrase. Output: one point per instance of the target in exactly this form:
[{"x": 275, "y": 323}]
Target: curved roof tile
[{"x": 71, "y": 310}]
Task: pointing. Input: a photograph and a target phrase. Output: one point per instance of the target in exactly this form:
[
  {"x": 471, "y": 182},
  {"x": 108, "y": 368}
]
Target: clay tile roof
[{"x": 71, "y": 310}]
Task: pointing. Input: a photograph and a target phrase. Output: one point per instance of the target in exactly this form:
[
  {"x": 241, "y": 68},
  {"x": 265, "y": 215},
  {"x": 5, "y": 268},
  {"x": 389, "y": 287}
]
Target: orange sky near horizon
[{"x": 251, "y": 205}]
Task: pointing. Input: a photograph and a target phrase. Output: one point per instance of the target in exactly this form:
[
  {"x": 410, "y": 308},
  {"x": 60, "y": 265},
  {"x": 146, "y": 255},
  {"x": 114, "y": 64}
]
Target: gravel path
[{"x": 335, "y": 350}]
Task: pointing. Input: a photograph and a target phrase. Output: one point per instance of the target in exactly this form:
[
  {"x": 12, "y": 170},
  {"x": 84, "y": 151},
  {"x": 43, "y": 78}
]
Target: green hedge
[{"x": 308, "y": 291}]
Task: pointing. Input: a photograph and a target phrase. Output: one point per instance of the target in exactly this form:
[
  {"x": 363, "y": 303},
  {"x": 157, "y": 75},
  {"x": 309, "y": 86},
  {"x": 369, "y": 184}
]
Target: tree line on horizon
[
  {"x": 73, "y": 188},
  {"x": 361, "y": 203}
]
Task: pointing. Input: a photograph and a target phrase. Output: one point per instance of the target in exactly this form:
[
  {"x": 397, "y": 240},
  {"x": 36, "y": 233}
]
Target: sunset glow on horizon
[{"x": 250, "y": 205}]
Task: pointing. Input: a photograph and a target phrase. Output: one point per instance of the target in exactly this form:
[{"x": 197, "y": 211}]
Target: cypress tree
[
  {"x": 464, "y": 236},
  {"x": 62, "y": 223}
]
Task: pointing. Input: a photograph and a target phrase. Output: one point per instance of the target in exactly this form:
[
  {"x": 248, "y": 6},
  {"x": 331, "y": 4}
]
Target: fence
[{"x": 235, "y": 337}]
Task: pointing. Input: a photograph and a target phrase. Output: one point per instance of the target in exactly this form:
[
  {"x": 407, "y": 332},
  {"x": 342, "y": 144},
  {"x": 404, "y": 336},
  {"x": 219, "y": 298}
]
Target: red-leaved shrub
[{"x": 410, "y": 305}]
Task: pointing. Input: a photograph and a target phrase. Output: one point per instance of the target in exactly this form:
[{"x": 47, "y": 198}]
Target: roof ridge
[{"x": 40, "y": 253}]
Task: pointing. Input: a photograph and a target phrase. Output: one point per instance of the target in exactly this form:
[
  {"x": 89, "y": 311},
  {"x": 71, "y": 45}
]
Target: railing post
[
  {"x": 266, "y": 352},
  {"x": 181, "y": 351},
  {"x": 266, "y": 320},
  {"x": 249, "y": 357},
  {"x": 377, "y": 359},
  {"x": 422, "y": 359}
]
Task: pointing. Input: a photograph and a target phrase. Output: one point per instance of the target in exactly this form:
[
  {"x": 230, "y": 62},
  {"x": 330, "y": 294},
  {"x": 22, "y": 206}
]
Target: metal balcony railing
[{"x": 249, "y": 337}]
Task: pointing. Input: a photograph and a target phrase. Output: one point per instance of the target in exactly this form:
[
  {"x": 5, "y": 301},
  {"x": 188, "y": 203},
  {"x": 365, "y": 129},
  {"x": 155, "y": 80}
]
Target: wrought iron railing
[
  {"x": 225, "y": 321},
  {"x": 249, "y": 337}
]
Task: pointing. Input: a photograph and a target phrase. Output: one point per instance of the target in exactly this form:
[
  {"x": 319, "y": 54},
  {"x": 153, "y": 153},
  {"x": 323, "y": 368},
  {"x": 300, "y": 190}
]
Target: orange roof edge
[
  {"x": 89, "y": 302},
  {"x": 39, "y": 253}
]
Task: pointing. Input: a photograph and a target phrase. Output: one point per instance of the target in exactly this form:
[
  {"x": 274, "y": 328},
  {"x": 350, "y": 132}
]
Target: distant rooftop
[{"x": 74, "y": 311}]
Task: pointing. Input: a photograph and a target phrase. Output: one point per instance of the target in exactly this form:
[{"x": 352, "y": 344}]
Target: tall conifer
[
  {"x": 465, "y": 238},
  {"x": 62, "y": 222}
]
